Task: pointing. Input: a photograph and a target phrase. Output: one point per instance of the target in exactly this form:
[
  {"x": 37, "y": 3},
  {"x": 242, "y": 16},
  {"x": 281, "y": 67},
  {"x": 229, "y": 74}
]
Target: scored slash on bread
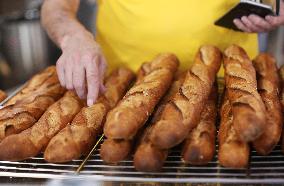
[
  {"x": 181, "y": 114},
  {"x": 79, "y": 137},
  {"x": 247, "y": 105},
  {"x": 31, "y": 141},
  {"x": 268, "y": 83},
  {"x": 22, "y": 111}
]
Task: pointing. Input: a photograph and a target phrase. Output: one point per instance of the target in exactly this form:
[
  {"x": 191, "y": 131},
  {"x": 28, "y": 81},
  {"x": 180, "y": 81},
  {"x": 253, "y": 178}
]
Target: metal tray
[{"x": 262, "y": 169}]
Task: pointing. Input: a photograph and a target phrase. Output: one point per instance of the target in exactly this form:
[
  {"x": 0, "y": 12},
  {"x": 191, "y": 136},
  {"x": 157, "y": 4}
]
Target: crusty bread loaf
[
  {"x": 199, "y": 145},
  {"x": 31, "y": 141},
  {"x": 268, "y": 84},
  {"x": 247, "y": 105},
  {"x": 182, "y": 113},
  {"x": 26, "y": 111},
  {"x": 113, "y": 151},
  {"x": 232, "y": 152},
  {"x": 33, "y": 84},
  {"x": 78, "y": 137},
  {"x": 148, "y": 157},
  {"x": 3, "y": 95},
  {"x": 131, "y": 113}
]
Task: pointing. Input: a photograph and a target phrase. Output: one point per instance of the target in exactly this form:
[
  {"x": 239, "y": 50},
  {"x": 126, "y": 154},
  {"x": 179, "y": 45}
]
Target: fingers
[
  {"x": 69, "y": 75},
  {"x": 102, "y": 70},
  {"x": 240, "y": 25},
  {"x": 253, "y": 23},
  {"x": 93, "y": 80},
  {"x": 79, "y": 81},
  {"x": 249, "y": 24},
  {"x": 260, "y": 22},
  {"x": 275, "y": 21},
  {"x": 60, "y": 71}
]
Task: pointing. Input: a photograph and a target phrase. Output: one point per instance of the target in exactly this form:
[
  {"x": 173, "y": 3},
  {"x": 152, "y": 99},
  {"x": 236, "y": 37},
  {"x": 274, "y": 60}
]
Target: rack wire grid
[{"x": 262, "y": 169}]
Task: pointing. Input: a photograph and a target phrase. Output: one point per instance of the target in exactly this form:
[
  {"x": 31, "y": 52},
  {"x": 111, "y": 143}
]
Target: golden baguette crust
[
  {"x": 33, "y": 84},
  {"x": 79, "y": 137},
  {"x": 268, "y": 83},
  {"x": 247, "y": 105},
  {"x": 27, "y": 110},
  {"x": 133, "y": 110},
  {"x": 181, "y": 114},
  {"x": 3, "y": 95},
  {"x": 147, "y": 157},
  {"x": 199, "y": 145},
  {"x": 113, "y": 151},
  {"x": 232, "y": 152},
  {"x": 31, "y": 141}
]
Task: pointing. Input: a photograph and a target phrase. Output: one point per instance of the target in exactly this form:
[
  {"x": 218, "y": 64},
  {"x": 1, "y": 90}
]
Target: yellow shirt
[{"x": 131, "y": 32}]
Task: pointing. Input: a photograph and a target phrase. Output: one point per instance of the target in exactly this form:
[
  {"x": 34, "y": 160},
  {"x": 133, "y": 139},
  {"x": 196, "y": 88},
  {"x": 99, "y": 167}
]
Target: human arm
[{"x": 82, "y": 65}]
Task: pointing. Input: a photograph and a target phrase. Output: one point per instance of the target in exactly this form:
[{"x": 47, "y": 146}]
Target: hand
[
  {"x": 81, "y": 66},
  {"x": 256, "y": 24}
]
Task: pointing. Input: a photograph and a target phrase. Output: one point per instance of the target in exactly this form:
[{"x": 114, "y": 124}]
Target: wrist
[{"x": 80, "y": 34}]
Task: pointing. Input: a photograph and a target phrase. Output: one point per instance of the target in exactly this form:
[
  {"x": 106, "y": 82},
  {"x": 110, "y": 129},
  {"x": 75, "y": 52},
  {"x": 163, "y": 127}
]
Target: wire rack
[{"x": 262, "y": 169}]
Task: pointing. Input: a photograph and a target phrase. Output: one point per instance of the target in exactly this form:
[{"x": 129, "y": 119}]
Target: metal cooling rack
[{"x": 262, "y": 169}]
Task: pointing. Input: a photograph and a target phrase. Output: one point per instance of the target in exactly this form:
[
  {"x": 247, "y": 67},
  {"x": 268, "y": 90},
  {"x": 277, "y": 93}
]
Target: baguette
[
  {"x": 33, "y": 84},
  {"x": 199, "y": 146},
  {"x": 147, "y": 157},
  {"x": 247, "y": 105},
  {"x": 3, "y": 95},
  {"x": 131, "y": 113},
  {"x": 268, "y": 88},
  {"x": 233, "y": 152},
  {"x": 31, "y": 141},
  {"x": 182, "y": 113},
  {"x": 114, "y": 151},
  {"x": 26, "y": 111},
  {"x": 79, "y": 137}
]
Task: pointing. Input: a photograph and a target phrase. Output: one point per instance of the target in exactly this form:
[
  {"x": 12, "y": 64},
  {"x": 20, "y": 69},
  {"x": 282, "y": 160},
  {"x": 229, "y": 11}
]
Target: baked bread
[
  {"x": 33, "y": 140},
  {"x": 232, "y": 152},
  {"x": 247, "y": 105},
  {"x": 79, "y": 137},
  {"x": 113, "y": 150},
  {"x": 131, "y": 113},
  {"x": 147, "y": 157},
  {"x": 30, "y": 106},
  {"x": 33, "y": 84},
  {"x": 268, "y": 84},
  {"x": 182, "y": 113},
  {"x": 199, "y": 145}
]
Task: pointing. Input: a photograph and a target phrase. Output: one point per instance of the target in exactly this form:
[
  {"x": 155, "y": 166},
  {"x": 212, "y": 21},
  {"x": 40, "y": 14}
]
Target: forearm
[{"x": 59, "y": 20}]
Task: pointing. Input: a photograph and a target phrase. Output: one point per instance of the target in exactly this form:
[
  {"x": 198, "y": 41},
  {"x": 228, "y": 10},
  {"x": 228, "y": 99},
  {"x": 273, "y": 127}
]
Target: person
[{"x": 129, "y": 32}]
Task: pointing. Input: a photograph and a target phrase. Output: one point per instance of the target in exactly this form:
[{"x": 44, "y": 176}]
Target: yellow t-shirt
[{"x": 131, "y": 32}]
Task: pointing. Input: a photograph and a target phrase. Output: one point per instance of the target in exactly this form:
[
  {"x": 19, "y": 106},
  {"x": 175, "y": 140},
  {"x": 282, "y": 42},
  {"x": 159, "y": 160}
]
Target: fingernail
[{"x": 90, "y": 102}]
